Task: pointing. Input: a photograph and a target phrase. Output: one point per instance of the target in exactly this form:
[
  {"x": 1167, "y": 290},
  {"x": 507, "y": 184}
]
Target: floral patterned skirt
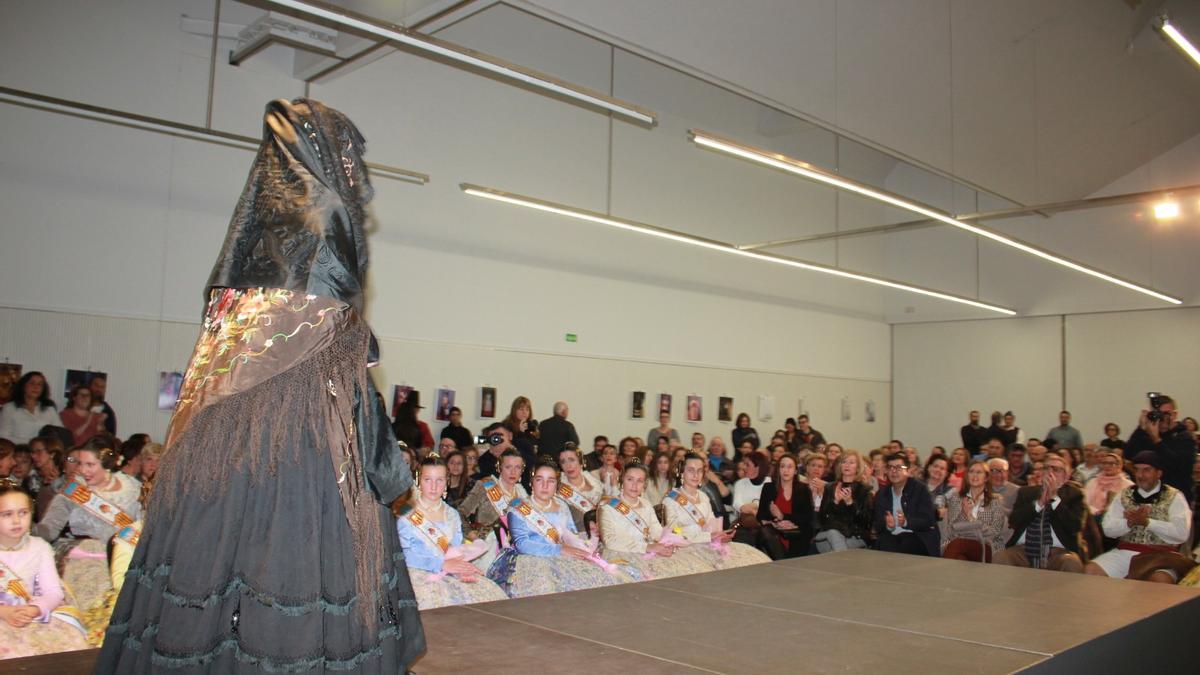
[
  {"x": 523, "y": 576},
  {"x": 450, "y": 590},
  {"x": 37, "y": 638}
]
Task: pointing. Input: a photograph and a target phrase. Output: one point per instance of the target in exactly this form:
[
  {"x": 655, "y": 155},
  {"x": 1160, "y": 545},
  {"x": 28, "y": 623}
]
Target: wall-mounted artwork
[
  {"x": 445, "y": 401},
  {"x": 638, "y": 409},
  {"x": 725, "y": 409},
  {"x": 870, "y": 411},
  {"x": 169, "y": 384},
  {"x": 694, "y": 409},
  {"x": 664, "y": 404},
  {"x": 487, "y": 402},
  {"x": 845, "y": 408}
]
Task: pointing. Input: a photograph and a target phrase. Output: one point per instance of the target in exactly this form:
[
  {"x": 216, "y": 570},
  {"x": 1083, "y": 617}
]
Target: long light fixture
[
  {"x": 713, "y": 245},
  {"x": 1164, "y": 24},
  {"x": 468, "y": 57},
  {"x": 157, "y": 125},
  {"x": 806, "y": 170}
]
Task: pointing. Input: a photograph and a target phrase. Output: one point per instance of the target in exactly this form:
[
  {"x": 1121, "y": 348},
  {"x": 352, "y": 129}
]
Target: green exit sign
[{"x": 571, "y": 337}]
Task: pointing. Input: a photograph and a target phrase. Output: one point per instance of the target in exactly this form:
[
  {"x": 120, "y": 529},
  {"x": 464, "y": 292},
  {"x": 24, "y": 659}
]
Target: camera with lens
[
  {"x": 493, "y": 439},
  {"x": 1155, "y": 403}
]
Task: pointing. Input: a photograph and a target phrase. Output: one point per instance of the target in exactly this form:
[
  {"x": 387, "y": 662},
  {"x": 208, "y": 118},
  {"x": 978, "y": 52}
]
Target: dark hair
[
  {"x": 63, "y": 434},
  {"x": 634, "y": 465},
  {"x": 573, "y": 449},
  {"x": 1012, "y": 447},
  {"x": 461, "y": 490},
  {"x": 104, "y": 449},
  {"x": 801, "y": 417},
  {"x": 432, "y": 459},
  {"x": 1113, "y": 425},
  {"x": 7, "y": 447},
  {"x": 795, "y": 479},
  {"x": 547, "y": 462},
  {"x": 896, "y": 455},
  {"x": 601, "y": 437},
  {"x": 696, "y": 456},
  {"x": 759, "y": 462},
  {"x": 455, "y": 409},
  {"x": 935, "y": 457},
  {"x": 45, "y": 401},
  {"x": 738, "y": 422},
  {"x": 8, "y": 488},
  {"x": 494, "y": 426},
  {"x": 1163, "y": 399},
  {"x": 132, "y": 448},
  {"x": 511, "y": 452},
  {"x": 75, "y": 392},
  {"x": 511, "y": 421},
  {"x": 987, "y": 484},
  {"x": 898, "y": 442},
  {"x": 54, "y": 447}
]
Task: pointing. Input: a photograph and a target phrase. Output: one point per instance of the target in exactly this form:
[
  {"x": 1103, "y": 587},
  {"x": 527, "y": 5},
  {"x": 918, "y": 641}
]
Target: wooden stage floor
[{"x": 855, "y": 611}]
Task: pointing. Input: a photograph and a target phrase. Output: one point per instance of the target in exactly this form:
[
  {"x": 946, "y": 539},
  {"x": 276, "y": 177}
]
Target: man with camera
[
  {"x": 1175, "y": 446},
  {"x": 498, "y": 439}
]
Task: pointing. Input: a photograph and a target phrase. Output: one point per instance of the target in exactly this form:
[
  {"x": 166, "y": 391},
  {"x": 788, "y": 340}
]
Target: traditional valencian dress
[
  {"x": 425, "y": 544},
  {"x": 534, "y": 564},
  {"x": 28, "y": 577},
  {"x": 92, "y": 517},
  {"x": 267, "y": 546},
  {"x": 694, "y": 521},
  {"x": 485, "y": 510},
  {"x": 628, "y": 529}
]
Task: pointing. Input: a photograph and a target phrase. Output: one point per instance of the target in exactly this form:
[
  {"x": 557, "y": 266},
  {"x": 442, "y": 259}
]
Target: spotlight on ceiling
[{"x": 1166, "y": 210}]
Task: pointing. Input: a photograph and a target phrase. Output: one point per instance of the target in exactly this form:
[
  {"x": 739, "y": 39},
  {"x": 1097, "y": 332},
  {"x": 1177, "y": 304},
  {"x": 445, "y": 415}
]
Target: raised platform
[{"x": 857, "y": 611}]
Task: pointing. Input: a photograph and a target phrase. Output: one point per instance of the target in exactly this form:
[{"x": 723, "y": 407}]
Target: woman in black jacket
[
  {"x": 742, "y": 432},
  {"x": 785, "y": 509},
  {"x": 846, "y": 508}
]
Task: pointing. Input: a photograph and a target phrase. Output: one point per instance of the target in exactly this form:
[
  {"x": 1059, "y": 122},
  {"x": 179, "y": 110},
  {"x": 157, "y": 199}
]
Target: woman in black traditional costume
[{"x": 266, "y": 545}]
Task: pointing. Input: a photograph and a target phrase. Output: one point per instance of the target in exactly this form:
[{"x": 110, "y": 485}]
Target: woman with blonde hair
[{"x": 846, "y": 508}]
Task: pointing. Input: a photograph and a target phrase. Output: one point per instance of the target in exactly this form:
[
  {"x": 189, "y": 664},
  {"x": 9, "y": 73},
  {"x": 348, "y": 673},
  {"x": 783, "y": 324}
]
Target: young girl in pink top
[{"x": 33, "y": 619}]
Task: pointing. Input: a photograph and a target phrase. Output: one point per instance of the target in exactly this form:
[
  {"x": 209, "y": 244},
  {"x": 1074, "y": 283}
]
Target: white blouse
[
  {"x": 677, "y": 516},
  {"x": 620, "y": 534}
]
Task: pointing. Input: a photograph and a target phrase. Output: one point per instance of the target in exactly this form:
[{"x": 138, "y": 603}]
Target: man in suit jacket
[
  {"x": 1047, "y": 522},
  {"x": 905, "y": 520},
  {"x": 557, "y": 431}
]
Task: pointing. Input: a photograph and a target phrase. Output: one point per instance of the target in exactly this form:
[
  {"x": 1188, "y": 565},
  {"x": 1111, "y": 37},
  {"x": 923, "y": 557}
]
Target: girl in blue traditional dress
[
  {"x": 431, "y": 536},
  {"x": 547, "y": 555}
]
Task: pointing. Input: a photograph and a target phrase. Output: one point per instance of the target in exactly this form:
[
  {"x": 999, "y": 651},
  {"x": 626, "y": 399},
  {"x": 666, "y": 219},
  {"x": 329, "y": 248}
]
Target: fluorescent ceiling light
[
  {"x": 1179, "y": 39},
  {"x": 806, "y": 170},
  {"x": 712, "y": 245},
  {"x": 439, "y": 48},
  {"x": 160, "y": 126},
  {"x": 1166, "y": 210}
]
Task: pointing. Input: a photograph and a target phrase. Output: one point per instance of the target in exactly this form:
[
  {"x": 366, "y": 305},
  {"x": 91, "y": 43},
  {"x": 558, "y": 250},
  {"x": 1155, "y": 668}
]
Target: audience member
[
  {"x": 1047, "y": 523},
  {"x": 22, "y": 469},
  {"x": 808, "y": 435},
  {"x": 30, "y": 410},
  {"x": 556, "y": 431},
  {"x": 973, "y": 434},
  {"x": 99, "y": 387},
  {"x": 975, "y": 522},
  {"x": 409, "y": 429},
  {"x": 1018, "y": 470},
  {"x": 958, "y": 467},
  {"x": 1004, "y": 489},
  {"x": 591, "y": 459},
  {"x": 524, "y": 429},
  {"x": 458, "y": 480},
  {"x": 1088, "y": 467},
  {"x": 1171, "y": 441},
  {"x": 937, "y": 470},
  {"x": 456, "y": 432},
  {"x": 845, "y": 514},
  {"x": 609, "y": 473},
  {"x": 499, "y": 439},
  {"x": 1064, "y": 435},
  {"x": 1011, "y": 432},
  {"x": 785, "y": 511},
  {"x": 913, "y": 459},
  {"x": 748, "y": 489},
  {"x": 661, "y": 478},
  {"x": 1112, "y": 437},
  {"x": 995, "y": 431},
  {"x": 744, "y": 433},
  {"x": 663, "y": 429},
  {"x": 1106, "y": 485},
  {"x": 8, "y": 457},
  {"x": 1150, "y": 520},
  {"x": 905, "y": 521}
]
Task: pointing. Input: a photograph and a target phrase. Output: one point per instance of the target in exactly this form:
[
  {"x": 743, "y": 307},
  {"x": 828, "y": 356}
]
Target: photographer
[
  {"x": 1175, "y": 446},
  {"x": 498, "y": 439}
]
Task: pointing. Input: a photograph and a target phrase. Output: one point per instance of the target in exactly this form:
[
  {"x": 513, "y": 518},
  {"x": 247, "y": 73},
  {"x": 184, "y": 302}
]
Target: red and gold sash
[
  {"x": 11, "y": 583},
  {"x": 96, "y": 505},
  {"x": 690, "y": 508},
  {"x": 535, "y": 518},
  {"x": 431, "y": 532},
  {"x": 495, "y": 495},
  {"x": 632, "y": 516},
  {"x": 575, "y": 499}
]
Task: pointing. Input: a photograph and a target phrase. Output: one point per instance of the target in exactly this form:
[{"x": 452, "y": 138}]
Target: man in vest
[{"x": 1150, "y": 520}]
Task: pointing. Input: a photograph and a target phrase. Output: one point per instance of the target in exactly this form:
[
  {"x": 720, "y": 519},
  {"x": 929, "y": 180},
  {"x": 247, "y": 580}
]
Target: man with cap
[{"x": 1150, "y": 520}]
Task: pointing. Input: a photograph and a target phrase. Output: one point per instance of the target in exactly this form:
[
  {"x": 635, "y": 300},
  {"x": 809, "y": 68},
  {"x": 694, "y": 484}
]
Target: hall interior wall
[{"x": 109, "y": 234}]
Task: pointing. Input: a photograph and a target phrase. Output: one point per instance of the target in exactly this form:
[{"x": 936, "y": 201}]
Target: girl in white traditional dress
[
  {"x": 547, "y": 555},
  {"x": 689, "y": 513},
  {"x": 580, "y": 489},
  {"x": 96, "y": 505},
  {"x": 431, "y": 536},
  {"x": 633, "y": 537},
  {"x": 33, "y": 618},
  {"x": 484, "y": 512}
]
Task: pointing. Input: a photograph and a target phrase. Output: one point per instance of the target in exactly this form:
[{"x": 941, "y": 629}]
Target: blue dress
[
  {"x": 534, "y": 564},
  {"x": 425, "y": 560}
]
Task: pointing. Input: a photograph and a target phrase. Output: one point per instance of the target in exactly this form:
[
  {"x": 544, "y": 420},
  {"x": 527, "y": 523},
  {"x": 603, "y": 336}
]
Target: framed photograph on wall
[
  {"x": 870, "y": 414},
  {"x": 400, "y": 394},
  {"x": 638, "y": 409},
  {"x": 9, "y": 374},
  {"x": 487, "y": 402},
  {"x": 845, "y": 408},
  {"x": 664, "y": 404},
  {"x": 169, "y": 384},
  {"x": 725, "y": 409},
  {"x": 445, "y": 401},
  {"x": 694, "y": 409}
]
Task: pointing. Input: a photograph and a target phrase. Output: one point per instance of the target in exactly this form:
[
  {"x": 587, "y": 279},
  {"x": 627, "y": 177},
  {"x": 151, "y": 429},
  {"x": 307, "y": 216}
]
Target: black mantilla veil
[{"x": 267, "y": 545}]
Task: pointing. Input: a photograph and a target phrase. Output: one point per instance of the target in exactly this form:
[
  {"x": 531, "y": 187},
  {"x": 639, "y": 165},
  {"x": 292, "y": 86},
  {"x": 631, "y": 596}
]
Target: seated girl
[
  {"x": 431, "y": 536},
  {"x": 33, "y": 618},
  {"x": 96, "y": 505},
  {"x": 580, "y": 489},
  {"x": 547, "y": 555},
  {"x": 689, "y": 513},
  {"x": 635, "y": 539},
  {"x": 485, "y": 510}
]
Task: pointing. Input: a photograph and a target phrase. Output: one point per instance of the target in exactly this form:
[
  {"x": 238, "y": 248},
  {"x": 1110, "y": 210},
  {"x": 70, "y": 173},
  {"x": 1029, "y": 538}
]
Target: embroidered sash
[
  {"x": 430, "y": 531},
  {"x": 535, "y": 518},
  {"x": 690, "y": 508},
  {"x": 574, "y": 498},
  {"x": 495, "y": 495},
  {"x": 632, "y": 516},
  {"x": 96, "y": 505},
  {"x": 11, "y": 583}
]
